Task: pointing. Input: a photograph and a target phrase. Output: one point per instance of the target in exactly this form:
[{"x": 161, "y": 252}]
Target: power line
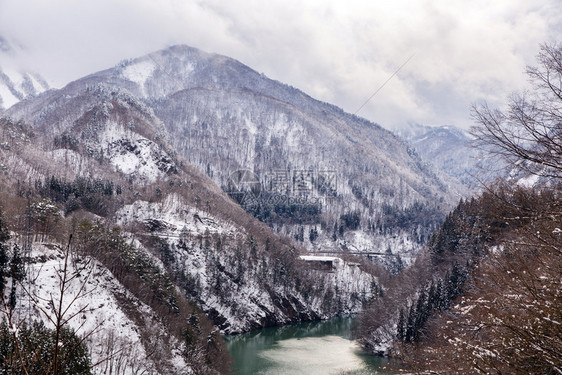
[{"x": 384, "y": 84}]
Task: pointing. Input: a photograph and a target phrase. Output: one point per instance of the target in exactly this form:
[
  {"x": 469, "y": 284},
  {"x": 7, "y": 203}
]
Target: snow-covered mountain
[
  {"x": 449, "y": 150},
  {"x": 16, "y": 83},
  {"x": 349, "y": 182}
]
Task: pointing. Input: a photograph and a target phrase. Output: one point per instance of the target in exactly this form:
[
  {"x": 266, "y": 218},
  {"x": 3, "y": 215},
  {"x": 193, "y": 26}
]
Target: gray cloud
[{"x": 337, "y": 51}]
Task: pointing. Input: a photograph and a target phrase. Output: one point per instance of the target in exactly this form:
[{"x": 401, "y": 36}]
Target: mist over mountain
[{"x": 16, "y": 83}]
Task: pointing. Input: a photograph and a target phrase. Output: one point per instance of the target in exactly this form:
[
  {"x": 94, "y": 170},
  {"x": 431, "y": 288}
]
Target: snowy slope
[
  {"x": 117, "y": 154},
  {"x": 170, "y": 220},
  {"x": 449, "y": 150},
  {"x": 206, "y": 249},
  {"x": 92, "y": 301}
]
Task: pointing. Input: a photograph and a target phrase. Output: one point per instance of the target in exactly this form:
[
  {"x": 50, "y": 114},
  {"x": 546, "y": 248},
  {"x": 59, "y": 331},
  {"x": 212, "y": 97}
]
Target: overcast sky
[{"x": 460, "y": 52}]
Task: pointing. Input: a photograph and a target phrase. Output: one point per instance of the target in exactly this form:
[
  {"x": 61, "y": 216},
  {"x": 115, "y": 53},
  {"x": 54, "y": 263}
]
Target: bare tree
[
  {"x": 529, "y": 132},
  {"x": 63, "y": 304},
  {"x": 509, "y": 320},
  {"x": 66, "y": 351}
]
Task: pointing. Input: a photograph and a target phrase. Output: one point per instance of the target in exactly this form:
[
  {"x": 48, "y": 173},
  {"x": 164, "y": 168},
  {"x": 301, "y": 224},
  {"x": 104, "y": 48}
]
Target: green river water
[{"x": 318, "y": 348}]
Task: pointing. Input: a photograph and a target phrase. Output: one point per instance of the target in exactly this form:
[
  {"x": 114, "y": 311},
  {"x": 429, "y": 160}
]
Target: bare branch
[{"x": 529, "y": 133}]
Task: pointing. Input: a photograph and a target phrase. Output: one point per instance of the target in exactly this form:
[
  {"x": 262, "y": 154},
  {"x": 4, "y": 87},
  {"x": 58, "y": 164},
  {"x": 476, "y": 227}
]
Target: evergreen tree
[
  {"x": 299, "y": 236},
  {"x": 410, "y": 325},
  {"x": 398, "y": 264},
  {"x": 421, "y": 314},
  {"x": 17, "y": 272},
  {"x": 31, "y": 351},
  {"x": 4, "y": 237},
  {"x": 401, "y": 327},
  {"x": 3, "y": 263},
  {"x": 432, "y": 297},
  {"x": 313, "y": 234},
  {"x": 17, "y": 267},
  {"x": 456, "y": 281},
  {"x": 446, "y": 291}
]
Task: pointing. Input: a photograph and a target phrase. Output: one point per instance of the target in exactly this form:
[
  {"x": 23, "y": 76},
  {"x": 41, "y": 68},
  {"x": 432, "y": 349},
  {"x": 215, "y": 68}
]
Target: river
[{"x": 317, "y": 348}]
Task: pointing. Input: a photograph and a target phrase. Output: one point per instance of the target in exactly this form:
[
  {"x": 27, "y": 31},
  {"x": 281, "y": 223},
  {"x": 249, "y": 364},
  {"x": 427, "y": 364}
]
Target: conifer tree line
[
  {"x": 30, "y": 344},
  {"x": 36, "y": 343},
  {"x": 60, "y": 190},
  {"x": 505, "y": 319},
  {"x": 12, "y": 269},
  {"x": 435, "y": 297},
  {"x": 443, "y": 270},
  {"x": 81, "y": 193}
]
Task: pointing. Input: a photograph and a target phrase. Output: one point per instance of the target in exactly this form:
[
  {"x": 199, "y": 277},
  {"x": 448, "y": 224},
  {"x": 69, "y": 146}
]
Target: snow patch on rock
[
  {"x": 141, "y": 158},
  {"x": 529, "y": 181},
  {"x": 139, "y": 72},
  {"x": 173, "y": 217},
  {"x": 7, "y": 99}
]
